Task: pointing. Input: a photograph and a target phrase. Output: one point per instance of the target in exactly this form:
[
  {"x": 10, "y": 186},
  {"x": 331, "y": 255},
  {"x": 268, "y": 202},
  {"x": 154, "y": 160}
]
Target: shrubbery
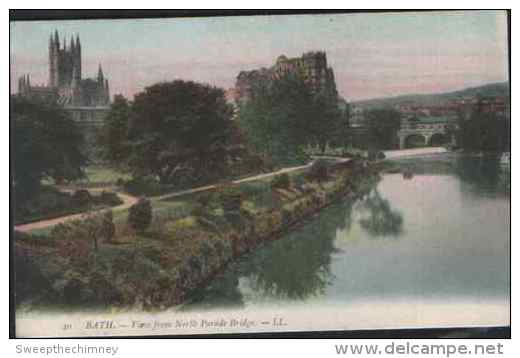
[
  {"x": 140, "y": 215},
  {"x": 82, "y": 197},
  {"x": 92, "y": 227},
  {"x": 108, "y": 228},
  {"x": 184, "y": 253},
  {"x": 145, "y": 185},
  {"x": 108, "y": 198},
  {"x": 281, "y": 181},
  {"x": 319, "y": 170},
  {"x": 49, "y": 203},
  {"x": 376, "y": 155},
  {"x": 230, "y": 197}
]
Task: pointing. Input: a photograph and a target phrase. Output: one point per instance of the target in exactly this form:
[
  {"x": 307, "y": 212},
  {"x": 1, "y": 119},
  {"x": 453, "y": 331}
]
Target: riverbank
[{"x": 163, "y": 265}]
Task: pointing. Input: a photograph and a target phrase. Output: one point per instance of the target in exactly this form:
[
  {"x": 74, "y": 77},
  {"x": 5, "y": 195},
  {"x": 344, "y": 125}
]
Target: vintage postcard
[{"x": 261, "y": 173}]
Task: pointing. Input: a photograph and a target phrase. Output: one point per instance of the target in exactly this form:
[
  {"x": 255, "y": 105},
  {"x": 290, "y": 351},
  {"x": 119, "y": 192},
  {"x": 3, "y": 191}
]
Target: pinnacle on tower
[
  {"x": 75, "y": 78},
  {"x": 100, "y": 74},
  {"x": 56, "y": 39}
]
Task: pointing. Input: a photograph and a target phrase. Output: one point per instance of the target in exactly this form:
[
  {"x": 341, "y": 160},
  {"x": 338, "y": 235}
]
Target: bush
[
  {"x": 82, "y": 197},
  {"x": 146, "y": 185},
  {"x": 71, "y": 236},
  {"x": 108, "y": 228},
  {"x": 140, "y": 215},
  {"x": 109, "y": 198},
  {"x": 230, "y": 197},
  {"x": 281, "y": 181},
  {"x": 30, "y": 281},
  {"x": 204, "y": 203},
  {"x": 319, "y": 170},
  {"x": 376, "y": 155}
]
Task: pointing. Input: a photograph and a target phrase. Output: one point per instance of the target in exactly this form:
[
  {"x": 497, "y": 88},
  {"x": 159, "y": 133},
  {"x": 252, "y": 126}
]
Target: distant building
[
  {"x": 88, "y": 100},
  {"x": 311, "y": 67}
]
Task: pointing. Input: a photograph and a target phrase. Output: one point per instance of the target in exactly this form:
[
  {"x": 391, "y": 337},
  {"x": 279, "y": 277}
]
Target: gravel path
[{"x": 128, "y": 201}]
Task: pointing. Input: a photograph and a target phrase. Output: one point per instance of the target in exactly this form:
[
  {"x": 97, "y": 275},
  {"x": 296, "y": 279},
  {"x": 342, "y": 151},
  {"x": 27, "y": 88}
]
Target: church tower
[
  {"x": 77, "y": 60},
  {"x": 54, "y": 48},
  {"x": 65, "y": 83}
]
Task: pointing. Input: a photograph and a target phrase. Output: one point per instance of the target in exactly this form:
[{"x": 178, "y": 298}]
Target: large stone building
[
  {"x": 311, "y": 66},
  {"x": 87, "y": 99}
]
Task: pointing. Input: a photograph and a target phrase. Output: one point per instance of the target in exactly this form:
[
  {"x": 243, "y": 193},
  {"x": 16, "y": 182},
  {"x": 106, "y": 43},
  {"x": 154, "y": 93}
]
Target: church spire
[
  {"x": 100, "y": 75},
  {"x": 56, "y": 39}
]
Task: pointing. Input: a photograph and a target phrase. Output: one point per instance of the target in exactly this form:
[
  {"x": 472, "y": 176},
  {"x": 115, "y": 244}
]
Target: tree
[
  {"x": 47, "y": 145},
  {"x": 329, "y": 124},
  {"x": 140, "y": 215},
  {"x": 383, "y": 124},
  {"x": 483, "y": 131},
  {"x": 179, "y": 129},
  {"x": 285, "y": 115},
  {"x": 114, "y": 133},
  {"x": 108, "y": 228}
]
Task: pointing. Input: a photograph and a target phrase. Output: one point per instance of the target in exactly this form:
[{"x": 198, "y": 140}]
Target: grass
[{"x": 98, "y": 174}]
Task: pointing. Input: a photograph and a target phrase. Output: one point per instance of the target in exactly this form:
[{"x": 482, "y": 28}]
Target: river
[{"x": 430, "y": 250}]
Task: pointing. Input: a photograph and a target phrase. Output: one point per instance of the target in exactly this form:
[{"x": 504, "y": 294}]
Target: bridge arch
[
  {"x": 438, "y": 139},
  {"x": 414, "y": 140}
]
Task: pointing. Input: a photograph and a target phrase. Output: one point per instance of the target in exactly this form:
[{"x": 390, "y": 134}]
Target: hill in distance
[{"x": 436, "y": 99}]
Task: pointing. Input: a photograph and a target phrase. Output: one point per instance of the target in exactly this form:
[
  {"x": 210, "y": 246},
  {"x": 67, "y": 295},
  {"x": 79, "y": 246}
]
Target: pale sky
[{"x": 372, "y": 54}]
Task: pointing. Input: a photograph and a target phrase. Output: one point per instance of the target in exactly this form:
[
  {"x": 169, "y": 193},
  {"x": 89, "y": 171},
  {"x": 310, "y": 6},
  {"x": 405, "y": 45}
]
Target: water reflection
[
  {"x": 444, "y": 248},
  {"x": 298, "y": 266},
  {"x": 294, "y": 268},
  {"x": 483, "y": 176},
  {"x": 479, "y": 175},
  {"x": 224, "y": 294},
  {"x": 378, "y": 218}
]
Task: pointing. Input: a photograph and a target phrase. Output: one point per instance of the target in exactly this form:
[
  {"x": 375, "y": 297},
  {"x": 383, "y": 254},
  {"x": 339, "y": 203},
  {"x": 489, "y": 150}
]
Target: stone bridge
[{"x": 421, "y": 134}]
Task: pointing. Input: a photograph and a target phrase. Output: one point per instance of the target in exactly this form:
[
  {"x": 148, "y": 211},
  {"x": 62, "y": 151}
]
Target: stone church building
[{"x": 87, "y": 99}]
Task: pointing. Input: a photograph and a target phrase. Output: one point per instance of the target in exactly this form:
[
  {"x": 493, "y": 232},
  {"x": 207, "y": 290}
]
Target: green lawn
[{"x": 98, "y": 174}]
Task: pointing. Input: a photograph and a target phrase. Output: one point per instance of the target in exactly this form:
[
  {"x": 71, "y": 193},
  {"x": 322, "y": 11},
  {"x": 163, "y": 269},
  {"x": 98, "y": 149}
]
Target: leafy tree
[
  {"x": 285, "y": 115},
  {"x": 115, "y": 130},
  {"x": 281, "y": 181},
  {"x": 383, "y": 124},
  {"x": 329, "y": 124},
  {"x": 483, "y": 131},
  {"x": 47, "y": 145},
  {"x": 140, "y": 215},
  {"x": 179, "y": 129},
  {"x": 319, "y": 170},
  {"x": 108, "y": 228}
]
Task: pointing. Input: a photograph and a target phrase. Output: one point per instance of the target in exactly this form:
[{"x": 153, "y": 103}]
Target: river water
[{"x": 430, "y": 250}]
